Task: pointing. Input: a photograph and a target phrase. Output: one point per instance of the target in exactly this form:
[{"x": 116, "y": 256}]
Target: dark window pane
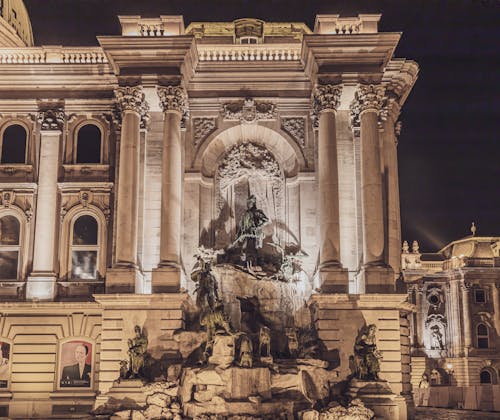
[
  {"x": 8, "y": 265},
  {"x": 9, "y": 230},
  {"x": 482, "y": 329},
  {"x": 480, "y": 296},
  {"x": 85, "y": 231},
  {"x": 485, "y": 377},
  {"x": 482, "y": 343},
  {"x": 88, "y": 145},
  {"x": 14, "y": 144},
  {"x": 84, "y": 265}
]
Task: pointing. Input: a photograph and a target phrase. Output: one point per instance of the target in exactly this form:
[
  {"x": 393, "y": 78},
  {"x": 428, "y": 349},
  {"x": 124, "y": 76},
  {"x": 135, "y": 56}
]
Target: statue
[
  {"x": 250, "y": 232},
  {"x": 246, "y": 351},
  {"x": 366, "y": 356},
  {"x": 436, "y": 338},
  {"x": 207, "y": 289},
  {"x": 137, "y": 348},
  {"x": 264, "y": 342},
  {"x": 215, "y": 320}
]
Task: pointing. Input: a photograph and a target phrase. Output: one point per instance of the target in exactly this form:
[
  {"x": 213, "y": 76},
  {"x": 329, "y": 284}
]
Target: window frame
[
  {"x": 484, "y": 296},
  {"x": 88, "y": 247},
  {"x": 3, "y": 128},
  {"x": 66, "y": 243},
  {"x": 79, "y": 126},
  {"x": 24, "y": 230},
  {"x": 482, "y": 336}
]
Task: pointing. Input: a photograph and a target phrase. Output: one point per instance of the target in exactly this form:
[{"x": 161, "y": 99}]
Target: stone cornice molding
[{"x": 52, "y": 118}]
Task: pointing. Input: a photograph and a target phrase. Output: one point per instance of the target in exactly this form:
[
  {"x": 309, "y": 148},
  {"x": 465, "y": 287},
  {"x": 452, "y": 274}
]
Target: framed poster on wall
[
  {"x": 5, "y": 364},
  {"x": 76, "y": 364}
]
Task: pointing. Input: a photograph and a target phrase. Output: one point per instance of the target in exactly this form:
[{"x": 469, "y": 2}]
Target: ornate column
[
  {"x": 166, "y": 278},
  {"x": 378, "y": 277},
  {"x": 334, "y": 278},
  {"x": 42, "y": 280},
  {"x": 466, "y": 315},
  {"x": 419, "y": 330},
  {"x": 124, "y": 274},
  {"x": 391, "y": 126}
]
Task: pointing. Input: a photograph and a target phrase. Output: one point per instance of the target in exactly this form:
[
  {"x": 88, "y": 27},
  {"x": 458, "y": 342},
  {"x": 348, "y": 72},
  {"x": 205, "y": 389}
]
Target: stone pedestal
[
  {"x": 334, "y": 279},
  {"x": 222, "y": 351},
  {"x": 378, "y": 279},
  {"x": 379, "y": 397},
  {"x": 166, "y": 279},
  {"x": 122, "y": 280},
  {"x": 124, "y": 394}
]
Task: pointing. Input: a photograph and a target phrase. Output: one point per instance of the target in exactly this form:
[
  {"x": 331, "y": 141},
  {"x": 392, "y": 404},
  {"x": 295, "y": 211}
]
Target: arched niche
[{"x": 284, "y": 149}]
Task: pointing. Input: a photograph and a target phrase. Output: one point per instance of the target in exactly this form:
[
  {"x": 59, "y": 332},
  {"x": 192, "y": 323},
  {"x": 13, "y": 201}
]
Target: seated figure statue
[
  {"x": 137, "y": 348},
  {"x": 366, "y": 356}
]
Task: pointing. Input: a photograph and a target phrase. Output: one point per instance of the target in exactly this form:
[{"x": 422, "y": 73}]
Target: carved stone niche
[
  {"x": 435, "y": 335},
  {"x": 435, "y": 299},
  {"x": 246, "y": 169}
]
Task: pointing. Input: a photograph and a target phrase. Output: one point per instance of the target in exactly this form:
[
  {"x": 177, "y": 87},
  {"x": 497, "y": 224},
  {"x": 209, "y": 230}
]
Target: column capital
[
  {"x": 131, "y": 98},
  {"x": 324, "y": 97},
  {"x": 52, "y": 119},
  {"x": 173, "y": 98},
  {"x": 368, "y": 98}
]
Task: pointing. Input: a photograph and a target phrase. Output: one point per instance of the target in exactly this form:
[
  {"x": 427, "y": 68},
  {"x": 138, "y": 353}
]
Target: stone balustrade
[
  {"x": 274, "y": 52},
  {"x": 49, "y": 55}
]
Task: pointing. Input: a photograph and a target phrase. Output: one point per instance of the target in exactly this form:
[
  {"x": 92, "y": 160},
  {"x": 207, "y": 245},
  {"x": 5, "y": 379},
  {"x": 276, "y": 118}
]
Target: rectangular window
[
  {"x": 480, "y": 296},
  {"x": 482, "y": 343},
  {"x": 8, "y": 265}
]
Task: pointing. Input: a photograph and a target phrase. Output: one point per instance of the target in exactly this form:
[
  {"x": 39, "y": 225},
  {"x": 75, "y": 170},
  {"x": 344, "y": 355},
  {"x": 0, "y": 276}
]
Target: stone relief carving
[
  {"x": 296, "y": 128},
  {"x": 249, "y": 111},
  {"x": 324, "y": 96},
  {"x": 435, "y": 327},
  {"x": 202, "y": 128},
  {"x": 52, "y": 118},
  {"x": 366, "y": 97},
  {"x": 174, "y": 98},
  {"x": 8, "y": 198}
]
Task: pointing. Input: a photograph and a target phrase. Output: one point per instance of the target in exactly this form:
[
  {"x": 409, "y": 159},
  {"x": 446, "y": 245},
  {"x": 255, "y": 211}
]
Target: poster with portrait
[
  {"x": 5, "y": 365},
  {"x": 75, "y": 364}
]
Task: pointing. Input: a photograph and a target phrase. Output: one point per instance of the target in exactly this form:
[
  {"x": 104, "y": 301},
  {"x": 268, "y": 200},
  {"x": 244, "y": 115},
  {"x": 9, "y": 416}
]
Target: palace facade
[{"x": 118, "y": 163}]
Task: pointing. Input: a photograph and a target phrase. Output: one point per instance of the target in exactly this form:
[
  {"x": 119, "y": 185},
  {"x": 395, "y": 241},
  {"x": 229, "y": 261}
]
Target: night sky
[{"x": 449, "y": 150}]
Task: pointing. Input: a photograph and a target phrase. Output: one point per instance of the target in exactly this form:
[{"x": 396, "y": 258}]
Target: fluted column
[
  {"x": 166, "y": 278},
  {"x": 378, "y": 277},
  {"x": 125, "y": 271},
  {"x": 42, "y": 280},
  {"x": 466, "y": 316},
  {"x": 325, "y": 100},
  {"x": 390, "y": 114}
]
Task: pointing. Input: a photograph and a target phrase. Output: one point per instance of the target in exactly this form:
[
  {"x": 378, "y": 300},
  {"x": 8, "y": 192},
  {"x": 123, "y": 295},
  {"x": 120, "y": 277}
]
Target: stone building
[
  {"x": 118, "y": 162},
  {"x": 456, "y": 325}
]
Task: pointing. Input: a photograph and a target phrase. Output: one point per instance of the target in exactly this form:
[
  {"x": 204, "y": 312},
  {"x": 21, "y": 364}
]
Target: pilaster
[{"x": 41, "y": 283}]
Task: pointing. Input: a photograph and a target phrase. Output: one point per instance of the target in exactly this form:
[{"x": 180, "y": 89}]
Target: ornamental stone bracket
[
  {"x": 249, "y": 111},
  {"x": 324, "y": 97},
  {"x": 51, "y": 118},
  {"x": 202, "y": 128},
  {"x": 296, "y": 128},
  {"x": 174, "y": 99}
]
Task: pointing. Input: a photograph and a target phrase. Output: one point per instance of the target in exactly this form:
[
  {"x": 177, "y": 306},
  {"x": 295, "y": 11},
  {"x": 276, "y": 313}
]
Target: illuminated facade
[
  {"x": 455, "y": 329},
  {"x": 118, "y": 162}
]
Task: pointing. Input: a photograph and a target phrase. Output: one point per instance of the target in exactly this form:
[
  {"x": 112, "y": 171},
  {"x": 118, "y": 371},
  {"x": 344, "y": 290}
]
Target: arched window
[
  {"x": 84, "y": 248},
  {"x": 482, "y": 336},
  {"x": 485, "y": 377},
  {"x": 13, "y": 145},
  {"x": 9, "y": 247},
  {"x": 88, "y": 144}
]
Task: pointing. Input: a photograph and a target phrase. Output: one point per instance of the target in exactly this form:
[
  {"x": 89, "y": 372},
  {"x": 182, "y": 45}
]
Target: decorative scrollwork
[
  {"x": 296, "y": 128},
  {"x": 202, "y": 128},
  {"x": 249, "y": 111},
  {"x": 52, "y": 118},
  {"x": 174, "y": 98}
]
